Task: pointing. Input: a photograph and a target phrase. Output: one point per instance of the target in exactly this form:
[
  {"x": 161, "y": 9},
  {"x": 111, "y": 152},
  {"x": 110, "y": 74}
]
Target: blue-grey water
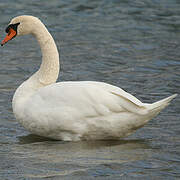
[{"x": 133, "y": 44}]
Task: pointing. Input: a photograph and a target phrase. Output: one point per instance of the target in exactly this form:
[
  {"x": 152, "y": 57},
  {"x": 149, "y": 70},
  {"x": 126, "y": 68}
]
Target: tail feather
[{"x": 156, "y": 107}]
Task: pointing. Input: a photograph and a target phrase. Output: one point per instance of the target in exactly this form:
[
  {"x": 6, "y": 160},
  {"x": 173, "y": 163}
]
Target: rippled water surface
[{"x": 134, "y": 44}]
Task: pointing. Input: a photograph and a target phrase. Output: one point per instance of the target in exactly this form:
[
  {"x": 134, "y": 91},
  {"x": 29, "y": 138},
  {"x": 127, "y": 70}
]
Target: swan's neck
[{"x": 49, "y": 69}]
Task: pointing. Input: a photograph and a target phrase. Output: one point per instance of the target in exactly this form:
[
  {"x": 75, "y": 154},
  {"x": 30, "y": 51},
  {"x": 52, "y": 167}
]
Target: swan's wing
[
  {"x": 127, "y": 101},
  {"x": 86, "y": 99}
]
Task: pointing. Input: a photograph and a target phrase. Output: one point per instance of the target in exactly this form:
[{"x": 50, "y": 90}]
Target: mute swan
[{"x": 72, "y": 111}]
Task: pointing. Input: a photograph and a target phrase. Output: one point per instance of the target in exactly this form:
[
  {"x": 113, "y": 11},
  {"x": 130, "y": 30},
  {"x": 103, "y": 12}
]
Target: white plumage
[{"x": 72, "y": 111}]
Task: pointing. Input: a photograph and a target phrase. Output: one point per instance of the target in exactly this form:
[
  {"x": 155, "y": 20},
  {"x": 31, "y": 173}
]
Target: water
[{"x": 134, "y": 44}]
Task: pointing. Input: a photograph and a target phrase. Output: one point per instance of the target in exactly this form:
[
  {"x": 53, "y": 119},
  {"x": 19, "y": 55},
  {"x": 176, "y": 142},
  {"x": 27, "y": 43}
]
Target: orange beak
[{"x": 9, "y": 36}]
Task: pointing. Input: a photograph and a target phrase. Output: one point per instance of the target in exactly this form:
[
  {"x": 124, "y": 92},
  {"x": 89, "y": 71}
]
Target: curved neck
[{"x": 49, "y": 69}]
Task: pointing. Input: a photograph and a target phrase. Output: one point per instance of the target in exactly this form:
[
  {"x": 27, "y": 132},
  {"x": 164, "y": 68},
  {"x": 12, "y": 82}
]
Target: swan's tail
[{"x": 156, "y": 107}]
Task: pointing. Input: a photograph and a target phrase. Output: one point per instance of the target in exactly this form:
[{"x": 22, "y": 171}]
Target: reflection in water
[
  {"x": 31, "y": 138},
  {"x": 80, "y": 158}
]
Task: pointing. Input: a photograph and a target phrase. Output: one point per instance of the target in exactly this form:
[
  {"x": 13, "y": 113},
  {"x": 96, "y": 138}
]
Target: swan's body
[{"x": 74, "y": 110}]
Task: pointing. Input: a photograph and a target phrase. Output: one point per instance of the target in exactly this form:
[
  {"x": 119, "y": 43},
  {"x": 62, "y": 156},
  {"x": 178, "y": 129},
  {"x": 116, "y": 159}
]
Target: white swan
[{"x": 73, "y": 111}]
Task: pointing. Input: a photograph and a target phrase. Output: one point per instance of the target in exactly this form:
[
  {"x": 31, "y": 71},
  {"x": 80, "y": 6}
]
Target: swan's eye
[{"x": 7, "y": 29}]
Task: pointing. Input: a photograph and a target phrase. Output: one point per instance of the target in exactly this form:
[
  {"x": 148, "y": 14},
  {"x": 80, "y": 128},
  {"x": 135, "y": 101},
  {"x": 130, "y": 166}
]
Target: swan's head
[{"x": 20, "y": 25}]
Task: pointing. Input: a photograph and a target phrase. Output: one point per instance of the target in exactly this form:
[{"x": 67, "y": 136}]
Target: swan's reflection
[
  {"x": 31, "y": 138},
  {"x": 39, "y": 146},
  {"x": 60, "y": 158}
]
